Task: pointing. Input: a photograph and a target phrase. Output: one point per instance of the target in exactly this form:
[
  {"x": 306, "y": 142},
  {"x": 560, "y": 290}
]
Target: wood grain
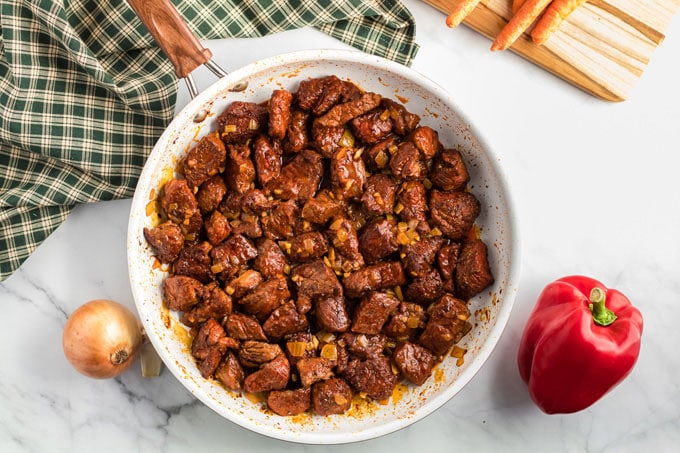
[
  {"x": 172, "y": 34},
  {"x": 602, "y": 48}
]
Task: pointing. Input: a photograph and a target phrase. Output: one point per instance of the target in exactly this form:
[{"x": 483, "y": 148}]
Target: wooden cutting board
[{"x": 603, "y": 47}]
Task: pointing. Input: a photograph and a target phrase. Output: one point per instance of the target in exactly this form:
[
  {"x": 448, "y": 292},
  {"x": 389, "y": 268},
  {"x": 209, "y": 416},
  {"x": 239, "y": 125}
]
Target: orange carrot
[
  {"x": 460, "y": 12},
  {"x": 552, "y": 18},
  {"x": 516, "y": 5},
  {"x": 526, "y": 15}
]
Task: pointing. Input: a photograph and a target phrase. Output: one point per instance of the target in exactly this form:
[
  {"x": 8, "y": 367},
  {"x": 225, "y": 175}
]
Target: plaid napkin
[{"x": 85, "y": 93}]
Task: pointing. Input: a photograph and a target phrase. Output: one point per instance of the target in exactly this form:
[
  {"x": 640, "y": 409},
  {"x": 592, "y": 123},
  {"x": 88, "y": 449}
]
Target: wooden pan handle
[{"x": 172, "y": 34}]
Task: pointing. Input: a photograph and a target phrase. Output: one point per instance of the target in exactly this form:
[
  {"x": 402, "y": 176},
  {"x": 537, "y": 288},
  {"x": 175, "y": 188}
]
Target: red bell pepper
[{"x": 580, "y": 341}]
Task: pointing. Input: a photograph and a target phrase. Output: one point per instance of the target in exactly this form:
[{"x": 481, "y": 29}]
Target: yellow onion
[{"x": 102, "y": 338}]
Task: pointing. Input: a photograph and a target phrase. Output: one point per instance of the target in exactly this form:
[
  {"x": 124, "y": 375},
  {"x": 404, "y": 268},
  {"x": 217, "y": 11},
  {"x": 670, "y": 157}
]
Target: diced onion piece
[
  {"x": 412, "y": 322},
  {"x": 459, "y": 354},
  {"x": 358, "y": 153},
  {"x": 325, "y": 337},
  {"x": 384, "y": 115},
  {"x": 229, "y": 290},
  {"x": 435, "y": 232},
  {"x": 329, "y": 351},
  {"x": 296, "y": 348},
  {"x": 398, "y": 293},
  {"x": 216, "y": 268},
  {"x": 381, "y": 159},
  {"x": 252, "y": 125},
  {"x": 341, "y": 235},
  {"x": 362, "y": 340},
  {"x": 228, "y": 128},
  {"x": 347, "y": 139},
  {"x": 336, "y": 225},
  {"x": 339, "y": 399},
  {"x": 427, "y": 184}
]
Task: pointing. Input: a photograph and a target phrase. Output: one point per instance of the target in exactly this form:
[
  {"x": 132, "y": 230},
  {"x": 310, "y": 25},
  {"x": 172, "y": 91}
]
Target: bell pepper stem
[{"x": 601, "y": 314}]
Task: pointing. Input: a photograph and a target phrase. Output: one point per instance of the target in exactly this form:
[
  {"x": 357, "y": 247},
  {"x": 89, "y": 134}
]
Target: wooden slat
[{"x": 602, "y": 48}]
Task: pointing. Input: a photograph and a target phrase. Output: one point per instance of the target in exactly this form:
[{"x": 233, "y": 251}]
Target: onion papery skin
[{"x": 102, "y": 339}]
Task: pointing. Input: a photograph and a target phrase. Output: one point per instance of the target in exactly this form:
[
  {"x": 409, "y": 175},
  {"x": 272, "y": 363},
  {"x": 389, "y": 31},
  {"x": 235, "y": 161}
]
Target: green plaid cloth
[{"x": 85, "y": 93}]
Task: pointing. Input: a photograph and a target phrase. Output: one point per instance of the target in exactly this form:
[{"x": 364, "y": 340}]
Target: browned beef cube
[
  {"x": 378, "y": 239},
  {"x": 454, "y": 213},
  {"x": 326, "y": 139},
  {"x": 290, "y": 402},
  {"x": 204, "y": 160},
  {"x": 372, "y": 376},
  {"x": 270, "y": 260},
  {"x": 252, "y": 354},
  {"x": 449, "y": 171},
  {"x": 284, "y": 320},
  {"x": 217, "y": 228},
  {"x": 272, "y": 375},
  {"x": 314, "y": 369},
  {"x": 348, "y": 174},
  {"x": 426, "y": 288},
  {"x": 241, "y": 121},
  {"x": 331, "y": 314},
  {"x": 247, "y": 225},
  {"x": 191, "y": 227},
  {"x": 372, "y": 127},
  {"x": 231, "y": 205},
  {"x": 240, "y": 286},
  {"x": 472, "y": 271},
  {"x": 344, "y": 238},
  {"x": 380, "y": 193},
  {"x": 407, "y": 163},
  {"x": 403, "y": 121},
  {"x": 332, "y": 396},
  {"x": 314, "y": 281},
  {"x": 305, "y": 247},
  {"x": 412, "y": 204},
  {"x": 377, "y": 157},
  {"x": 300, "y": 178},
  {"x": 383, "y": 275},
  {"x": 321, "y": 208},
  {"x": 341, "y": 114},
  {"x": 297, "y": 137},
  {"x": 230, "y": 372},
  {"x": 372, "y": 313},
  {"x": 406, "y": 322},
  {"x": 448, "y": 323},
  {"x": 265, "y": 298},
  {"x": 166, "y": 241},
  {"x": 364, "y": 346},
  {"x": 239, "y": 173},
  {"x": 256, "y": 202},
  {"x": 178, "y": 201},
  {"x": 215, "y": 304},
  {"x": 267, "y": 158},
  {"x": 426, "y": 140},
  {"x": 414, "y": 362},
  {"x": 244, "y": 327},
  {"x": 447, "y": 258},
  {"x": 181, "y": 292},
  {"x": 229, "y": 256},
  {"x": 194, "y": 261},
  {"x": 208, "y": 347},
  {"x": 210, "y": 193},
  {"x": 418, "y": 257},
  {"x": 320, "y": 94},
  {"x": 279, "y": 113},
  {"x": 281, "y": 220}
]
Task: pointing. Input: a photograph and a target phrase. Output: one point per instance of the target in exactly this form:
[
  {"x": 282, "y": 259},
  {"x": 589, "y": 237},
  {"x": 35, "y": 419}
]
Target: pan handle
[{"x": 172, "y": 34}]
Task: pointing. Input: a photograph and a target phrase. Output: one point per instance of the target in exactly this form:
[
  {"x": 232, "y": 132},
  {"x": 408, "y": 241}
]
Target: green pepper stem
[{"x": 601, "y": 314}]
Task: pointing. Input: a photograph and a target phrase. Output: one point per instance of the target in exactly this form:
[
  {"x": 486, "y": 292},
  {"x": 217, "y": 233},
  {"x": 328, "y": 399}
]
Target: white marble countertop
[{"x": 596, "y": 189}]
